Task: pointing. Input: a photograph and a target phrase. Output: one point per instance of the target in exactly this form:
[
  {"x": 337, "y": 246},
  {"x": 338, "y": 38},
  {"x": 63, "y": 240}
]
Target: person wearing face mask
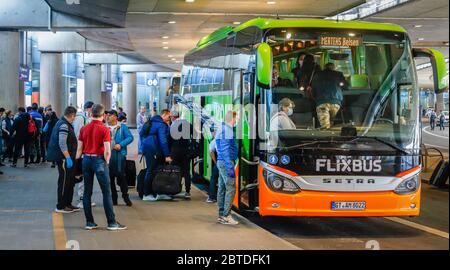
[
  {"x": 281, "y": 120},
  {"x": 227, "y": 154},
  {"x": 62, "y": 149}
]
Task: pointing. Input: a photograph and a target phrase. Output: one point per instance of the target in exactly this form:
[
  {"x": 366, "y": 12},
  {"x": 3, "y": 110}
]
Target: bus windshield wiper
[{"x": 396, "y": 147}]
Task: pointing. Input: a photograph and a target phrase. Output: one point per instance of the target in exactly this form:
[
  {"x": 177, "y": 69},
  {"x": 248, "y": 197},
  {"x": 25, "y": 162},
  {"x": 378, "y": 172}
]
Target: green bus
[{"x": 367, "y": 163}]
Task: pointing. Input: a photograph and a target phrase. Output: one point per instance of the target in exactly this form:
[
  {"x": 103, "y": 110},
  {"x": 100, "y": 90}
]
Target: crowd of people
[{"x": 94, "y": 142}]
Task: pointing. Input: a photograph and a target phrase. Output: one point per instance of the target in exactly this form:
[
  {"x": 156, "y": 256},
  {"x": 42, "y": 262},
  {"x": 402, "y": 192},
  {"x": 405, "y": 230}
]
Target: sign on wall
[
  {"x": 152, "y": 82},
  {"x": 28, "y": 88},
  {"x": 108, "y": 87},
  {"x": 24, "y": 73}
]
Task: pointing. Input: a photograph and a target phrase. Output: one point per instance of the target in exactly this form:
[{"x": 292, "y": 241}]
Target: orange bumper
[{"x": 316, "y": 204}]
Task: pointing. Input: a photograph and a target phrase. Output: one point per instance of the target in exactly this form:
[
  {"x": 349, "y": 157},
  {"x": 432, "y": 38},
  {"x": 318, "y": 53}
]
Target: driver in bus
[{"x": 281, "y": 120}]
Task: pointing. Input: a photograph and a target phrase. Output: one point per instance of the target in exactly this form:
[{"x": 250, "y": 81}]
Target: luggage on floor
[
  {"x": 140, "y": 183},
  {"x": 167, "y": 180},
  {"x": 130, "y": 172},
  {"x": 440, "y": 174}
]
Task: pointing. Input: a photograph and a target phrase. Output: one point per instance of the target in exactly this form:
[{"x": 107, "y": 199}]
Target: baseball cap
[
  {"x": 88, "y": 105},
  {"x": 113, "y": 112}
]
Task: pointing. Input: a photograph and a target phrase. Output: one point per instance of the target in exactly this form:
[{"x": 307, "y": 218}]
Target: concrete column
[
  {"x": 130, "y": 97},
  {"x": 51, "y": 88},
  {"x": 106, "y": 96},
  {"x": 164, "y": 84},
  {"x": 93, "y": 83},
  {"x": 9, "y": 74}
]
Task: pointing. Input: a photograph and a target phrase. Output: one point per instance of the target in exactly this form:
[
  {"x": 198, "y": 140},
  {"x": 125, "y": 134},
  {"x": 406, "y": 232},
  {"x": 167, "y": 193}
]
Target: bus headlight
[
  {"x": 279, "y": 183},
  {"x": 408, "y": 186}
]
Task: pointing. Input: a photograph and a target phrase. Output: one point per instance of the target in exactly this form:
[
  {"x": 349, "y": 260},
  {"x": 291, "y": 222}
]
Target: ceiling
[
  {"x": 427, "y": 22},
  {"x": 145, "y": 29}
]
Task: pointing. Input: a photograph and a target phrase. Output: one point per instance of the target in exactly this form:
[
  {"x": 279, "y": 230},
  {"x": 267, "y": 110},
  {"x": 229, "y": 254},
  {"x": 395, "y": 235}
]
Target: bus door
[{"x": 247, "y": 197}]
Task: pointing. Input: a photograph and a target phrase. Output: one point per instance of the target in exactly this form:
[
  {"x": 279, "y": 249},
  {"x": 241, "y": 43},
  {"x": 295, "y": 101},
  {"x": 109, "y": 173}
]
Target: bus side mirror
[
  {"x": 264, "y": 66},
  {"x": 438, "y": 65}
]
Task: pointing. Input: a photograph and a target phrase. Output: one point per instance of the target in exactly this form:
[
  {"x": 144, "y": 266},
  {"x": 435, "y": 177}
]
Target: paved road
[
  {"x": 436, "y": 138},
  {"x": 360, "y": 233}
]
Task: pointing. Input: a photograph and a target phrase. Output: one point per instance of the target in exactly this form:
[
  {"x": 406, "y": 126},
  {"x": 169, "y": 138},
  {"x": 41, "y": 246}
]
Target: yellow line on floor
[
  {"x": 419, "y": 226},
  {"x": 59, "y": 233}
]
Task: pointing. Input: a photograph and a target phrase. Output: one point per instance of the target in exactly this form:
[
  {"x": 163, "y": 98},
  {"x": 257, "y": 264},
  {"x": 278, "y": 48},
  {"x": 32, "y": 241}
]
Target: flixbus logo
[{"x": 348, "y": 165}]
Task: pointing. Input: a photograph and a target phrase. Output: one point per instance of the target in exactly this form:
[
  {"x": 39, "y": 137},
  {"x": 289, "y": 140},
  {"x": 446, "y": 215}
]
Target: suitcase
[
  {"x": 440, "y": 174},
  {"x": 167, "y": 180},
  {"x": 130, "y": 172},
  {"x": 140, "y": 183}
]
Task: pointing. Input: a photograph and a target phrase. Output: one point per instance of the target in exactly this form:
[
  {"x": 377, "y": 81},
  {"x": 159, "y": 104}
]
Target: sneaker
[
  {"x": 220, "y": 219},
  {"x": 150, "y": 198},
  {"x": 164, "y": 197},
  {"x": 74, "y": 208},
  {"x": 93, "y": 204},
  {"x": 66, "y": 210},
  {"x": 209, "y": 200},
  {"x": 228, "y": 221},
  {"x": 116, "y": 227},
  {"x": 80, "y": 205},
  {"x": 91, "y": 226},
  {"x": 187, "y": 196}
]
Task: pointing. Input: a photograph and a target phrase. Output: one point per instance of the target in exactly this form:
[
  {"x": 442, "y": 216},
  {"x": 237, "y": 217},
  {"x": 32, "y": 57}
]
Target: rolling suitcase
[
  {"x": 130, "y": 173},
  {"x": 167, "y": 180},
  {"x": 440, "y": 174}
]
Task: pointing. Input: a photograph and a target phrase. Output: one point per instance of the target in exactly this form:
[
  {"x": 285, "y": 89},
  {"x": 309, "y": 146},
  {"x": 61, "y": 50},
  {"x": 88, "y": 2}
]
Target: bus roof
[{"x": 306, "y": 23}]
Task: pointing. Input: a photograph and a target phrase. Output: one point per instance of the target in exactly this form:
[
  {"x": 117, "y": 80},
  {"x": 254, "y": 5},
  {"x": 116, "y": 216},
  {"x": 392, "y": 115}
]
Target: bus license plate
[{"x": 348, "y": 206}]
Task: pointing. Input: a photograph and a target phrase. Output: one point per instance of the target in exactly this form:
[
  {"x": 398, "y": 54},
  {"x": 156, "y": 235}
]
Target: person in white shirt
[
  {"x": 281, "y": 120},
  {"x": 81, "y": 120}
]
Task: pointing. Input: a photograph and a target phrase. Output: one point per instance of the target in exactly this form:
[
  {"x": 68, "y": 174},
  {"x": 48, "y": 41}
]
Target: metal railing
[{"x": 430, "y": 153}]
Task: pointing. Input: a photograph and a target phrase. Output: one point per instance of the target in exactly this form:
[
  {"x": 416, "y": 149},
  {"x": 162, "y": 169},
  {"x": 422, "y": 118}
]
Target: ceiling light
[
  {"x": 173, "y": 59},
  {"x": 271, "y": 2},
  {"x": 190, "y": 1},
  {"x": 288, "y": 36},
  {"x": 165, "y": 43},
  {"x": 418, "y": 26},
  {"x": 165, "y": 37},
  {"x": 352, "y": 34},
  {"x": 172, "y": 22},
  {"x": 165, "y": 48},
  {"x": 236, "y": 23},
  {"x": 421, "y": 39},
  {"x": 170, "y": 56}
]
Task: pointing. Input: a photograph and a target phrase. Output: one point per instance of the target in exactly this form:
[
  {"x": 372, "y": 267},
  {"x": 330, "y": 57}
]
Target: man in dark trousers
[
  {"x": 155, "y": 136},
  {"x": 22, "y": 138},
  {"x": 38, "y": 120},
  {"x": 180, "y": 134},
  {"x": 62, "y": 150},
  {"x": 94, "y": 143}
]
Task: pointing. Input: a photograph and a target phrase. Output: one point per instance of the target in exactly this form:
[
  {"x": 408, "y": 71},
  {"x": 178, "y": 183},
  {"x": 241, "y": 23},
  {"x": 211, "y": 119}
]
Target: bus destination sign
[{"x": 339, "y": 41}]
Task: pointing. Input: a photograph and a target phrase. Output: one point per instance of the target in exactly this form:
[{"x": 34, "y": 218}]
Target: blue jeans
[
  {"x": 213, "y": 182},
  {"x": 151, "y": 161},
  {"x": 1, "y": 146},
  {"x": 227, "y": 190},
  {"x": 97, "y": 166}
]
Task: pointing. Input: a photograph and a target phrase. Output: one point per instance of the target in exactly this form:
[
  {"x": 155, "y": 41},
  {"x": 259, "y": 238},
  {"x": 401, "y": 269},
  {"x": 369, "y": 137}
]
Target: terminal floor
[{"x": 28, "y": 196}]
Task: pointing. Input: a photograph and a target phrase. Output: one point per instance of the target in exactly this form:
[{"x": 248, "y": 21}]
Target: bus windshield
[{"x": 342, "y": 85}]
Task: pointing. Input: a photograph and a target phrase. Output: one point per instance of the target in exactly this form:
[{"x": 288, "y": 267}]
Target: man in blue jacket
[
  {"x": 154, "y": 135},
  {"x": 227, "y": 153},
  {"x": 121, "y": 137}
]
